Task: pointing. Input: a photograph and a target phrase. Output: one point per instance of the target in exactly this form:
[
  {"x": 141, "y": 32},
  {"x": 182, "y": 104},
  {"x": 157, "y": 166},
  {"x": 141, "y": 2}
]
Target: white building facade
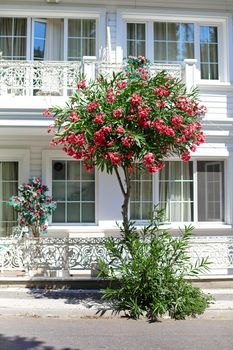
[{"x": 42, "y": 46}]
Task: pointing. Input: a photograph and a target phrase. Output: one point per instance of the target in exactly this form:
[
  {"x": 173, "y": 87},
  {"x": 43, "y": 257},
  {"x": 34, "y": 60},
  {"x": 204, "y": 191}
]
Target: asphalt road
[{"x": 114, "y": 334}]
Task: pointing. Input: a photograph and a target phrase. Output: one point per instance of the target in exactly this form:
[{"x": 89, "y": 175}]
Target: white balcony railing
[
  {"x": 38, "y": 78},
  {"x": 50, "y": 78}
]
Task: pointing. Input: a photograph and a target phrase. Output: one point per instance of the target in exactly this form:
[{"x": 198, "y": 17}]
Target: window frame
[
  {"x": 47, "y": 159},
  {"x": 22, "y": 157},
  {"x": 222, "y": 21},
  {"x": 226, "y": 194},
  {"x": 56, "y": 12}
]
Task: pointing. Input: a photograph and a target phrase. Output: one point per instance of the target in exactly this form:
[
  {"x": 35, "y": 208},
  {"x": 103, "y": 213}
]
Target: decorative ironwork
[
  {"x": 34, "y": 78},
  {"x": 76, "y": 254},
  {"x": 57, "y": 78},
  {"x": 175, "y": 70}
]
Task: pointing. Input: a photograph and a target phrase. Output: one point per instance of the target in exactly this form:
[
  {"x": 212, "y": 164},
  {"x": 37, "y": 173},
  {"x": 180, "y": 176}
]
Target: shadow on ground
[
  {"x": 87, "y": 299},
  {"x": 23, "y": 343}
]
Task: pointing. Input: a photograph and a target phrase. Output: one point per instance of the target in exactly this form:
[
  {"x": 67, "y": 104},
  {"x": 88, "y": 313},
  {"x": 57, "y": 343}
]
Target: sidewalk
[{"x": 64, "y": 303}]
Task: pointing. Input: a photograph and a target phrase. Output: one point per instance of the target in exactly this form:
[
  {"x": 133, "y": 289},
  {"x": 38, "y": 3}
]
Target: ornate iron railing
[
  {"x": 78, "y": 254},
  {"x": 175, "y": 70},
  {"x": 35, "y": 78},
  {"x": 58, "y": 78}
]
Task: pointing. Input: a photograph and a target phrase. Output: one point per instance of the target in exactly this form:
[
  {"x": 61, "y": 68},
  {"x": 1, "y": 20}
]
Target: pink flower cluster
[{"x": 150, "y": 162}]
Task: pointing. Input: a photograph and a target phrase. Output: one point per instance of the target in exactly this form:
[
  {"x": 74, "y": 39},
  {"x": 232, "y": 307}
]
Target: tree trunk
[{"x": 125, "y": 186}]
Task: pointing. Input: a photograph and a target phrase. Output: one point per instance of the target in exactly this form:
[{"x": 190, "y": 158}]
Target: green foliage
[
  {"x": 33, "y": 206},
  {"x": 151, "y": 272}
]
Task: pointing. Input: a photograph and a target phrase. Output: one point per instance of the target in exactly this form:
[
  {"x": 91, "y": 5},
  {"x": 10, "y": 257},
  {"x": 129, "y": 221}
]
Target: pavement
[{"x": 81, "y": 303}]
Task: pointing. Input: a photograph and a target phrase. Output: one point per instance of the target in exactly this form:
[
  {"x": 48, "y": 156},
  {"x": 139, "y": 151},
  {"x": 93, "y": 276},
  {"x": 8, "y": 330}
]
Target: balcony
[{"x": 51, "y": 82}]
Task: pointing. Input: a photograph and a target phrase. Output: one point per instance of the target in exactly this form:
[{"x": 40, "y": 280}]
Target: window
[
  {"x": 74, "y": 190},
  {"x": 170, "y": 42},
  {"x": 173, "y": 42},
  {"x": 141, "y": 201},
  {"x": 39, "y": 40},
  {"x": 176, "y": 191},
  {"x": 136, "y": 39},
  {"x": 8, "y": 188},
  {"x": 13, "y": 38},
  {"x": 81, "y": 38},
  {"x": 178, "y": 183},
  {"x": 188, "y": 191},
  {"x": 209, "y": 52}
]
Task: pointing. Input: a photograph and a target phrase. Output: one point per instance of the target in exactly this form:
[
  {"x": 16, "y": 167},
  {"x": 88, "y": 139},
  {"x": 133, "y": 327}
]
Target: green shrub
[{"x": 149, "y": 271}]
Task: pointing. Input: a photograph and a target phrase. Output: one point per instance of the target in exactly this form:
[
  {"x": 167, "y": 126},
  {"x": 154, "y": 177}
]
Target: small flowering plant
[
  {"x": 131, "y": 120},
  {"x": 33, "y": 206}
]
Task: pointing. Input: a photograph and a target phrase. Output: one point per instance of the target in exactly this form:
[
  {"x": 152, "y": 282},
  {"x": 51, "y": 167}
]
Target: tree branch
[{"x": 120, "y": 181}]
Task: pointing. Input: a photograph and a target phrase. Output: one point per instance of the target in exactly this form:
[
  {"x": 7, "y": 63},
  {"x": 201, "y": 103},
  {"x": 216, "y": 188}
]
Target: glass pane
[
  {"x": 210, "y": 181},
  {"x": 146, "y": 175},
  {"x": 59, "y": 214},
  {"x": 214, "y": 71},
  {"x": 19, "y": 49},
  {"x": 9, "y": 189},
  {"x": 188, "y": 191},
  {"x": 73, "y": 191},
  {"x": 176, "y": 212},
  {"x": 188, "y": 51},
  {"x": 135, "y": 191},
  {"x": 88, "y": 47},
  {"x": 141, "y": 48},
  {"x": 176, "y": 191},
  {"x": 86, "y": 175},
  {"x": 131, "y": 51},
  {"x": 135, "y": 211},
  {"x": 187, "y": 211},
  {"x": 73, "y": 170},
  {"x": 173, "y": 31},
  {"x": 58, "y": 190},
  {"x": 146, "y": 191},
  {"x": 59, "y": 170},
  {"x": 39, "y": 30},
  {"x": 131, "y": 31},
  {"x": 9, "y": 171},
  {"x": 187, "y": 170},
  {"x": 89, "y": 28},
  {"x": 175, "y": 170},
  {"x": 74, "y": 28},
  {"x": 174, "y": 54},
  {"x": 187, "y": 32},
  {"x": 141, "y": 32},
  {"x": 6, "y": 47},
  {"x": 39, "y": 48},
  {"x": 88, "y": 212},
  {"x": 73, "y": 212},
  {"x": 88, "y": 191},
  {"x": 74, "y": 48},
  {"x": 147, "y": 211},
  {"x": 204, "y": 34},
  {"x": 204, "y": 53},
  {"x": 205, "y": 71},
  {"x": 213, "y": 53},
  {"x": 213, "y": 34},
  {"x": 6, "y": 26},
  {"x": 20, "y": 27},
  {"x": 159, "y": 31}
]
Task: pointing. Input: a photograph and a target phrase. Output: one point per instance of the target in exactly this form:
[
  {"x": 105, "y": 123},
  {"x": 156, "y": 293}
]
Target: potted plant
[{"x": 33, "y": 206}]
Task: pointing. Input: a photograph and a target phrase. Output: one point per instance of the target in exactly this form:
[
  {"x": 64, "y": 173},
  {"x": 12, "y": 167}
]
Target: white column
[
  {"x": 229, "y": 188},
  {"x": 190, "y": 73},
  {"x": 89, "y": 67}
]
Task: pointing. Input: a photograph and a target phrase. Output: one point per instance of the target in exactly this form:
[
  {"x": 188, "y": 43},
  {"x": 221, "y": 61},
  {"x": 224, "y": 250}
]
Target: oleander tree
[{"x": 131, "y": 120}]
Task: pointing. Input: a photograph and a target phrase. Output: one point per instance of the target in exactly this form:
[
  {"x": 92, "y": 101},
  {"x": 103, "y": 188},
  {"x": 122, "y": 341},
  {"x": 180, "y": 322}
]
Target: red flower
[
  {"x": 117, "y": 113},
  {"x": 136, "y": 99}
]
